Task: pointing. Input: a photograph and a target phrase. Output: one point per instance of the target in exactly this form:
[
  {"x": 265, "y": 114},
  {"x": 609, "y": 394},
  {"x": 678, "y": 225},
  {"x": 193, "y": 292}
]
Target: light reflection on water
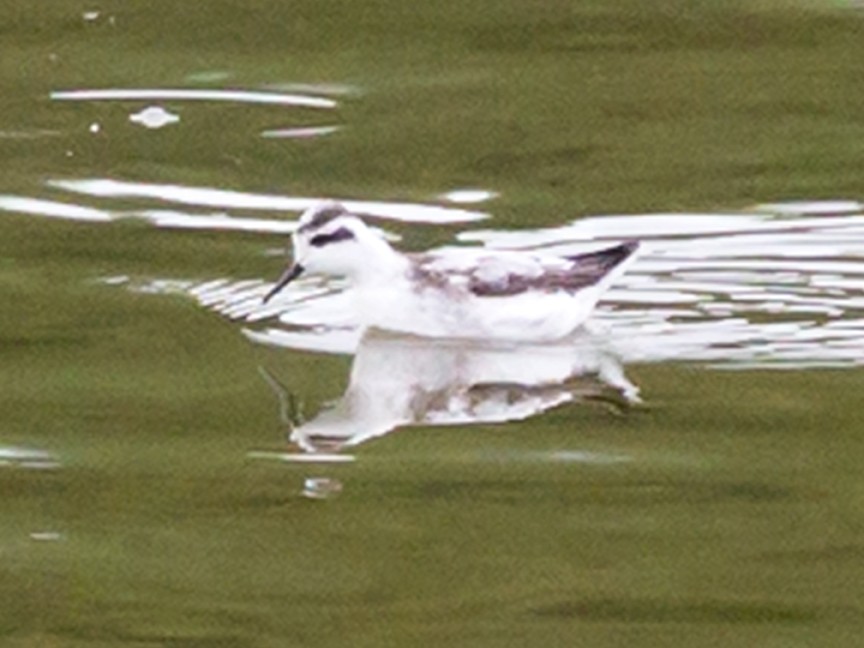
[
  {"x": 776, "y": 286},
  {"x": 399, "y": 381},
  {"x": 722, "y": 510},
  {"x": 768, "y": 288},
  {"x": 156, "y": 116},
  {"x": 191, "y": 94},
  {"x": 27, "y": 458},
  {"x": 205, "y": 197}
]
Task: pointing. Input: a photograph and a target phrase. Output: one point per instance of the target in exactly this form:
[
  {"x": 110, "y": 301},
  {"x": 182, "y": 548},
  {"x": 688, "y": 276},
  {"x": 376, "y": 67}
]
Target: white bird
[{"x": 464, "y": 294}]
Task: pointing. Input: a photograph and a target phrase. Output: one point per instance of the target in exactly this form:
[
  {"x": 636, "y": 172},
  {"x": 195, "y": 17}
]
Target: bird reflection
[{"x": 398, "y": 381}]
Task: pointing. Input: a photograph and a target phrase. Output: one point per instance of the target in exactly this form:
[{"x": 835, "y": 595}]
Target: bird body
[{"x": 453, "y": 293}]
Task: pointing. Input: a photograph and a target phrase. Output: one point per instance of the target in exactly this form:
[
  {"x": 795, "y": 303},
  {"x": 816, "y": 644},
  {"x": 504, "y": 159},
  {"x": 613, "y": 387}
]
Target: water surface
[{"x": 181, "y": 466}]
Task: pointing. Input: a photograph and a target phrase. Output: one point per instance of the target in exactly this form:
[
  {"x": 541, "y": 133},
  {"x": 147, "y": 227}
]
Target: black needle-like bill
[{"x": 287, "y": 277}]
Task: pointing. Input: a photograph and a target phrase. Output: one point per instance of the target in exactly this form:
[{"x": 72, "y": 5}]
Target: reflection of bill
[{"x": 403, "y": 381}]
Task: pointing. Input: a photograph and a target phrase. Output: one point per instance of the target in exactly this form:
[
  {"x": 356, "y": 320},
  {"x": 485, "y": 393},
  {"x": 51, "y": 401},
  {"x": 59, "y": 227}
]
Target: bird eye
[{"x": 341, "y": 234}]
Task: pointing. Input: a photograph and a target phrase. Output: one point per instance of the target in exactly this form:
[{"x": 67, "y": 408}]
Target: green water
[{"x": 737, "y": 519}]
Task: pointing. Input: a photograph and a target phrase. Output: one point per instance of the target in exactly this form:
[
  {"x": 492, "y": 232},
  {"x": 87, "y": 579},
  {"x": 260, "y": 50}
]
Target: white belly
[{"x": 525, "y": 317}]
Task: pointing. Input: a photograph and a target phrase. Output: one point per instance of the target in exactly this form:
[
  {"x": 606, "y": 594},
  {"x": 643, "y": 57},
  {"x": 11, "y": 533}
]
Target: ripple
[
  {"x": 182, "y": 220},
  {"x": 584, "y": 457},
  {"x": 775, "y": 286},
  {"x": 52, "y": 209},
  {"x": 27, "y": 458},
  {"x": 308, "y": 132},
  {"x": 295, "y": 457},
  {"x": 468, "y": 196},
  {"x": 228, "y": 199},
  {"x": 191, "y": 94},
  {"x": 676, "y": 611},
  {"x": 781, "y": 288},
  {"x": 28, "y": 134},
  {"x": 813, "y": 207}
]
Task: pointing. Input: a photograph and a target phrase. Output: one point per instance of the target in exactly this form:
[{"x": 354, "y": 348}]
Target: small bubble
[
  {"x": 154, "y": 117},
  {"x": 321, "y": 487}
]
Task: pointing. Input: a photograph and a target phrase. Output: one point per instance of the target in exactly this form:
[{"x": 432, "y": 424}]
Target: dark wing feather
[
  {"x": 593, "y": 266},
  {"x": 586, "y": 270}
]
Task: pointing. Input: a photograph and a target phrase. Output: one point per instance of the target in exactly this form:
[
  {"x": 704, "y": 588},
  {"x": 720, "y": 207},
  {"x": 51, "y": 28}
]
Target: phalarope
[{"x": 474, "y": 294}]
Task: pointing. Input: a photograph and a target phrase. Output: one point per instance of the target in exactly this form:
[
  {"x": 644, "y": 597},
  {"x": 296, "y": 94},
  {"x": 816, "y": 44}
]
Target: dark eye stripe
[{"x": 341, "y": 234}]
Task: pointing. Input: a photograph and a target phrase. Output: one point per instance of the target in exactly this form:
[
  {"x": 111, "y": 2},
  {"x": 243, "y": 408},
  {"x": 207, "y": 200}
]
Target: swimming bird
[{"x": 454, "y": 293}]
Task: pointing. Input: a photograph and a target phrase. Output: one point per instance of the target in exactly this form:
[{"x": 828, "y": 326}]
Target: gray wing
[
  {"x": 579, "y": 272},
  {"x": 506, "y": 274}
]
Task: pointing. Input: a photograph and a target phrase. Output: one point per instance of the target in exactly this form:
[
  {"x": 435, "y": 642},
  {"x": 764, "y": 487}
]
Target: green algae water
[{"x": 154, "y": 157}]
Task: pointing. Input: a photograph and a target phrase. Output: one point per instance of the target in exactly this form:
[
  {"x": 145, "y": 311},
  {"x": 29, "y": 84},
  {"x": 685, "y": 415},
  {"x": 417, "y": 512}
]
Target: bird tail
[{"x": 608, "y": 264}]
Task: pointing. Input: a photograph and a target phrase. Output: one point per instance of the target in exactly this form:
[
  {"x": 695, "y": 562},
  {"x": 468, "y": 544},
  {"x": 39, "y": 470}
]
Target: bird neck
[{"x": 380, "y": 261}]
